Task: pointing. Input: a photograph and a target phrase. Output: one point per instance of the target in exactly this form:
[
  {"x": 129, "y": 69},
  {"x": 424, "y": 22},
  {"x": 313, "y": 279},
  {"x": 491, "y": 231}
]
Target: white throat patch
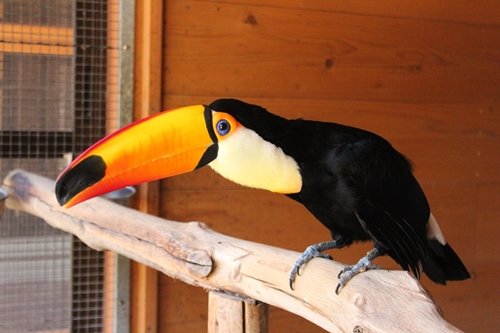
[{"x": 247, "y": 159}]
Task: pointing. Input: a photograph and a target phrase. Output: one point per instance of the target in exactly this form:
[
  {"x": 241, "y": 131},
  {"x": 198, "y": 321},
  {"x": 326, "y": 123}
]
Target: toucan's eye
[{"x": 223, "y": 127}]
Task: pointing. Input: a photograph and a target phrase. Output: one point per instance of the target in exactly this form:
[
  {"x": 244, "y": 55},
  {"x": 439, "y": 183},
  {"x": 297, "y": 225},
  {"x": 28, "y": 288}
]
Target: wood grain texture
[
  {"x": 255, "y": 51},
  {"x": 479, "y": 12},
  {"x": 147, "y": 101}
]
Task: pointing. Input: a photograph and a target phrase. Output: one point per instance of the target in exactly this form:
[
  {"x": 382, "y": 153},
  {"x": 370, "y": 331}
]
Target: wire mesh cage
[{"x": 58, "y": 95}]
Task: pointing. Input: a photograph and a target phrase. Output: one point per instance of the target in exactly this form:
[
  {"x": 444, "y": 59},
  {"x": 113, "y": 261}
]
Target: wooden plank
[
  {"x": 36, "y": 49},
  {"x": 282, "y": 321},
  {"x": 108, "y": 293},
  {"x": 315, "y": 55},
  {"x": 34, "y": 34},
  {"x": 110, "y": 285},
  {"x": 148, "y": 59},
  {"x": 20, "y": 38},
  {"x": 176, "y": 315},
  {"x": 487, "y": 227},
  {"x": 143, "y": 298},
  {"x": 477, "y": 12},
  {"x": 488, "y": 159},
  {"x": 148, "y": 81},
  {"x": 147, "y": 100},
  {"x": 449, "y": 161}
]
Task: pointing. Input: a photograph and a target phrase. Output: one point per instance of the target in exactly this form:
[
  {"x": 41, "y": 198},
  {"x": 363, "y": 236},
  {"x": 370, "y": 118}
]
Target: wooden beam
[
  {"x": 147, "y": 89},
  {"x": 22, "y": 38},
  {"x": 147, "y": 101},
  {"x": 34, "y": 34},
  {"x": 110, "y": 285},
  {"x": 35, "y": 49},
  {"x": 144, "y": 298},
  {"x": 375, "y": 301}
]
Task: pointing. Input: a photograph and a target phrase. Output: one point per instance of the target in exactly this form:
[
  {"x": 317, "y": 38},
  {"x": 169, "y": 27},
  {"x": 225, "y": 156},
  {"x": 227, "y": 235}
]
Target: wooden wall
[{"x": 424, "y": 74}]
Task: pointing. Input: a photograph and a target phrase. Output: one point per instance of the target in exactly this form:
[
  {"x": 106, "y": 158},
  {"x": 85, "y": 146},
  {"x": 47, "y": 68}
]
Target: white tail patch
[
  {"x": 247, "y": 159},
  {"x": 433, "y": 231}
]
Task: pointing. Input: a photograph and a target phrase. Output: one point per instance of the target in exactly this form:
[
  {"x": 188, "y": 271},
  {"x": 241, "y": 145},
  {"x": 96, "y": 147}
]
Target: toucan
[{"x": 352, "y": 180}]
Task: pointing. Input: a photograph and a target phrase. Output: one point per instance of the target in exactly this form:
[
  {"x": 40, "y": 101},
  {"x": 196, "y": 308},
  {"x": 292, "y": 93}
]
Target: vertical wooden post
[
  {"x": 228, "y": 313},
  {"x": 108, "y": 294},
  {"x": 147, "y": 101},
  {"x": 144, "y": 299},
  {"x": 112, "y": 100}
]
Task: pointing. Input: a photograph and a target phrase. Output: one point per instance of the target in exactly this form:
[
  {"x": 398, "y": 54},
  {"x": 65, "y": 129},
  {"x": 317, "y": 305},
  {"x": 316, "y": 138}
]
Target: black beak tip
[
  {"x": 61, "y": 191},
  {"x": 83, "y": 175}
]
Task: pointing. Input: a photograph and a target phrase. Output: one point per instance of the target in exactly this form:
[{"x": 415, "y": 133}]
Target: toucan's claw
[
  {"x": 313, "y": 251},
  {"x": 349, "y": 272},
  {"x": 363, "y": 264}
]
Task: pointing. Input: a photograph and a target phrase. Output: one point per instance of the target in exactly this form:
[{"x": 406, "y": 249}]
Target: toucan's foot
[
  {"x": 312, "y": 251},
  {"x": 363, "y": 264},
  {"x": 349, "y": 272}
]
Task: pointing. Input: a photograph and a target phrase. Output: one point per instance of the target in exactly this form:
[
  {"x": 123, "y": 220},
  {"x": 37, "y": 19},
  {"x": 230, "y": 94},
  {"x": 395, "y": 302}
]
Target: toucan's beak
[{"x": 163, "y": 145}]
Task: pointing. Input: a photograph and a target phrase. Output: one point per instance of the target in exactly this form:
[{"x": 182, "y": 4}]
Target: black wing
[{"x": 390, "y": 203}]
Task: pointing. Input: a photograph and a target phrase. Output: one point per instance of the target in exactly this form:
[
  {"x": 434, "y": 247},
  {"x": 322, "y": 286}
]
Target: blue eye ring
[{"x": 223, "y": 127}]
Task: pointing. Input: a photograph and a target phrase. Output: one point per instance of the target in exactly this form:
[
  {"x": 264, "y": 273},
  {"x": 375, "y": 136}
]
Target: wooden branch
[{"x": 375, "y": 301}]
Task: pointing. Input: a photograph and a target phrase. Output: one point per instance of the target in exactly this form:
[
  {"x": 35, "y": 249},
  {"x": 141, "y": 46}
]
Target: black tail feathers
[{"x": 443, "y": 264}]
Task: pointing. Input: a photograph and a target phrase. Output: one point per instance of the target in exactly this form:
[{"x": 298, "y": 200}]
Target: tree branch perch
[{"x": 375, "y": 301}]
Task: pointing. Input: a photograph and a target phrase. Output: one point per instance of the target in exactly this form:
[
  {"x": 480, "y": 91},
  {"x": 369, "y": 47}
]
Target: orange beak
[{"x": 163, "y": 145}]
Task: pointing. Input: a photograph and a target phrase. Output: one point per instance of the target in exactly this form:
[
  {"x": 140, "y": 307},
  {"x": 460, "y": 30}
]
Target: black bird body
[
  {"x": 358, "y": 186},
  {"x": 353, "y": 181}
]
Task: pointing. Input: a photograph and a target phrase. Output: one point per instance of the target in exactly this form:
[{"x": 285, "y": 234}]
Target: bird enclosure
[
  {"x": 424, "y": 75},
  {"x": 59, "y": 63}
]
